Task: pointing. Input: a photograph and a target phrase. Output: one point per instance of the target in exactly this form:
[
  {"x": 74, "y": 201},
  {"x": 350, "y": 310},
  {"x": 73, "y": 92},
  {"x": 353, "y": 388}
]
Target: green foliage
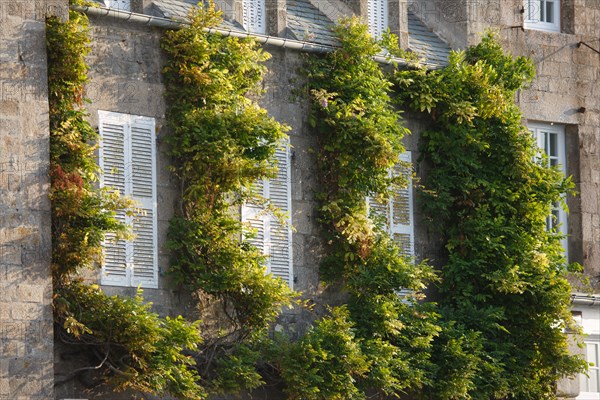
[
  {"x": 81, "y": 213},
  {"x": 136, "y": 348},
  {"x": 489, "y": 194},
  {"x": 143, "y": 351},
  {"x": 223, "y": 143},
  {"x": 326, "y": 362},
  {"x": 360, "y": 141}
]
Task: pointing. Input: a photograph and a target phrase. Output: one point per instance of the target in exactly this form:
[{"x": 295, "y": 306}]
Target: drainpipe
[{"x": 166, "y": 23}]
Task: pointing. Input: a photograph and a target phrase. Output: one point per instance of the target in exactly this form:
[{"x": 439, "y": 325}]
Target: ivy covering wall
[{"x": 497, "y": 330}]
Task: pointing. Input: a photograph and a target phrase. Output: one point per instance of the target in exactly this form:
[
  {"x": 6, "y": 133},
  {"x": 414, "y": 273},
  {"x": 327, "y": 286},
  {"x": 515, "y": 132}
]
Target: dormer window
[
  {"x": 378, "y": 17},
  {"x": 253, "y": 17},
  {"x": 543, "y": 15},
  {"x": 123, "y": 5}
]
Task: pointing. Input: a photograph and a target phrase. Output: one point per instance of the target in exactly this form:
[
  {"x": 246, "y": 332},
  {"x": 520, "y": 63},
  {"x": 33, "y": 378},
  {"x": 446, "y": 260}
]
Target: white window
[
  {"x": 377, "y": 13},
  {"x": 397, "y": 213},
  {"x": 254, "y": 16},
  {"x": 124, "y": 5},
  {"x": 551, "y": 139},
  {"x": 128, "y": 164},
  {"x": 589, "y": 385},
  {"x": 542, "y": 15},
  {"x": 273, "y": 237}
]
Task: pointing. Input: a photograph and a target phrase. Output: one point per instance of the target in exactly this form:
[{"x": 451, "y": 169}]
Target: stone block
[
  {"x": 30, "y": 293},
  {"x": 5, "y": 311},
  {"x": 25, "y": 386},
  {"x": 26, "y": 311}
]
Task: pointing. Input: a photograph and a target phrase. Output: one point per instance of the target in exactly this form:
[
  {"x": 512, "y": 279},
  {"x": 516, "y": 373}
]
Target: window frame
[
  {"x": 538, "y": 129},
  {"x": 132, "y": 125},
  {"x": 534, "y": 23}
]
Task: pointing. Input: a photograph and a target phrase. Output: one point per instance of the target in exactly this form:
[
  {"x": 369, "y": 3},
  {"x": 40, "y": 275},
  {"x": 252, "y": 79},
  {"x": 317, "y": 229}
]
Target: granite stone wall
[{"x": 26, "y": 338}]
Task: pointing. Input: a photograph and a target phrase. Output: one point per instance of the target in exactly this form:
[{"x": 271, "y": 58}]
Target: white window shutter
[
  {"x": 127, "y": 162},
  {"x": 256, "y": 219},
  {"x": 113, "y": 131},
  {"x": 273, "y": 236},
  {"x": 143, "y": 191},
  {"x": 254, "y": 16},
  {"x": 280, "y": 255},
  {"x": 401, "y": 209},
  {"x": 377, "y": 14},
  {"x": 397, "y": 213}
]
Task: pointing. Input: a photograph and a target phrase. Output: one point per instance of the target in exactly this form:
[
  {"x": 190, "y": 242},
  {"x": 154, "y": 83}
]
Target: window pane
[
  {"x": 542, "y": 11},
  {"x": 553, "y": 145},
  {"x": 549, "y": 12}
]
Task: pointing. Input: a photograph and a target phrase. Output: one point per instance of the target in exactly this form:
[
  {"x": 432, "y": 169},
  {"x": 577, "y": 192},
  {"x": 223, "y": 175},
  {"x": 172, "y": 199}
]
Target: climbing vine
[
  {"x": 489, "y": 192},
  {"x": 497, "y": 332},
  {"x": 223, "y": 143},
  {"x": 360, "y": 142},
  {"x": 134, "y": 348}
]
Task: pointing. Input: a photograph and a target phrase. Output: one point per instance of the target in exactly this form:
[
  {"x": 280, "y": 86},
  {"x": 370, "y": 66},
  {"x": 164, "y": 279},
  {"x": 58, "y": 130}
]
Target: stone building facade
[{"x": 125, "y": 70}]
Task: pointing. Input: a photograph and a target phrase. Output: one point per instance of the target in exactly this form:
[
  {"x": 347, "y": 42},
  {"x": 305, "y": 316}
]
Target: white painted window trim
[
  {"x": 402, "y": 229},
  {"x": 532, "y": 16},
  {"x": 129, "y": 124},
  {"x": 254, "y": 16},
  {"x": 257, "y": 218},
  {"x": 539, "y": 130},
  {"x": 378, "y": 17}
]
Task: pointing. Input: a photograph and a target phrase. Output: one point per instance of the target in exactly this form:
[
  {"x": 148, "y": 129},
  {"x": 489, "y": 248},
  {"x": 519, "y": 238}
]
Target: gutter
[
  {"x": 165, "y": 23},
  {"x": 581, "y": 299}
]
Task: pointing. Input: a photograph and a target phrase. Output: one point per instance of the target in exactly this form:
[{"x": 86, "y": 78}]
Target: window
[
  {"x": 253, "y": 16},
  {"x": 551, "y": 139},
  {"x": 397, "y": 213},
  {"x": 377, "y": 13},
  {"x": 589, "y": 386},
  {"x": 127, "y": 161},
  {"x": 273, "y": 237},
  {"x": 124, "y": 5},
  {"x": 542, "y": 15}
]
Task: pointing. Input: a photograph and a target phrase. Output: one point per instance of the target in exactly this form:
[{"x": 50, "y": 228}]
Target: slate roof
[
  {"x": 179, "y": 9},
  {"x": 306, "y": 22},
  {"x": 425, "y": 43}
]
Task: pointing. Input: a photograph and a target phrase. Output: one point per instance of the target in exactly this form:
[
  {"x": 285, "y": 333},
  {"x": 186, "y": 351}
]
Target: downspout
[{"x": 166, "y": 23}]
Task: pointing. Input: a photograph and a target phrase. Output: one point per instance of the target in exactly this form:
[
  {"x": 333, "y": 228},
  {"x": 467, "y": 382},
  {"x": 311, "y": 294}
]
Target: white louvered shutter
[
  {"x": 127, "y": 161},
  {"x": 280, "y": 254},
  {"x": 272, "y": 236},
  {"x": 377, "y": 13},
  {"x": 256, "y": 219},
  {"x": 401, "y": 209},
  {"x": 143, "y": 191},
  {"x": 397, "y": 211},
  {"x": 113, "y": 132},
  {"x": 254, "y": 16}
]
